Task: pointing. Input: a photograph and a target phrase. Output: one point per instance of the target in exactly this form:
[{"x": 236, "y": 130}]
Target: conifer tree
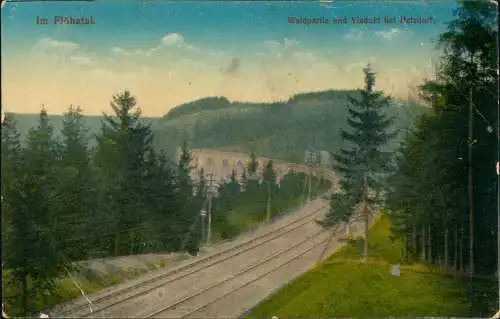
[
  {"x": 252, "y": 165},
  {"x": 429, "y": 200},
  {"x": 269, "y": 179},
  {"x": 17, "y": 225},
  {"x": 76, "y": 186},
  {"x": 123, "y": 146},
  {"x": 364, "y": 157},
  {"x": 188, "y": 223},
  {"x": 35, "y": 231}
]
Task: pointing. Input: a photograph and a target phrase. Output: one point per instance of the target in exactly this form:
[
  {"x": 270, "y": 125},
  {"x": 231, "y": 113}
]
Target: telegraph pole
[
  {"x": 268, "y": 210},
  {"x": 203, "y": 213},
  {"x": 209, "y": 226},
  {"x": 309, "y": 188},
  {"x": 210, "y": 194},
  {"x": 470, "y": 185},
  {"x": 309, "y": 161},
  {"x": 267, "y": 179}
]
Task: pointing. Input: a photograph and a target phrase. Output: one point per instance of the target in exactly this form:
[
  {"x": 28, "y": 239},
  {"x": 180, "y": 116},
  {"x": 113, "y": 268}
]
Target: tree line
[
  {"x": 444, "y": 196},
  {"x": 65, "y": 199},
  {"x": 440, "y": 187}
]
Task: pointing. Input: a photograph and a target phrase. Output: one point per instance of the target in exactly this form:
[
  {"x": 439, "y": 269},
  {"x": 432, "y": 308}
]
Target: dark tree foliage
[
  {"x": 76, "y": 186},
  {"x": 252, "y": 165},
  {"x": 34, "y": 240},
  {"x": 160, "y": 228},
  {"x": 364, "y": 154},
  {"x": 17, "y": 223},
  {"x": 80, "y": 197},
  {"x": 121, "y": 156},
  {"x": 429, "y": 199},
  {"x": 187, "y": 221},
  {"x": 231, "y": 191},
  {"x": 268, "y": 174}
]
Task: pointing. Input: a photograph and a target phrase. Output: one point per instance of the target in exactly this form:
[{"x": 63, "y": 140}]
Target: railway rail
[
  {"x": 236, "y": 295},
  {"x": 194, "y": 303},
  {"x": 122, "y": 297}
]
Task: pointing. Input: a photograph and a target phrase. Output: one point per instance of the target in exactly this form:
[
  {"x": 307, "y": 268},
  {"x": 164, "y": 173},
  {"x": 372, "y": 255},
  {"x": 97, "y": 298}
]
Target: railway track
[
  {"x": 194, "y": 303},
  {"x": 234, "y": 295},
  {"x": 123, "y": 297}
]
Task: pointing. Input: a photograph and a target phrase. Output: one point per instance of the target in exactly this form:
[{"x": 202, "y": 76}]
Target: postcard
[{"x": 271, "y": 159}]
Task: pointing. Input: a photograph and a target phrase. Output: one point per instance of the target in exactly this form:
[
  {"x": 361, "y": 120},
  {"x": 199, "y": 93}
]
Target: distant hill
[
  {"x": 206, "y": 104},
  {"x": 281, "y": 130}
]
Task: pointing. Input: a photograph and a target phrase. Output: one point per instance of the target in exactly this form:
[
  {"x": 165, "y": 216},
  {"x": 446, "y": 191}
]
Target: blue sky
[{"x": 170, "y": 52}]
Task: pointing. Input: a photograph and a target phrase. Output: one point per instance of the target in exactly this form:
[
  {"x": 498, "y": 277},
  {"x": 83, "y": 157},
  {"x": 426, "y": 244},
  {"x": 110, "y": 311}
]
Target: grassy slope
[{"x": 345, "y": 287}]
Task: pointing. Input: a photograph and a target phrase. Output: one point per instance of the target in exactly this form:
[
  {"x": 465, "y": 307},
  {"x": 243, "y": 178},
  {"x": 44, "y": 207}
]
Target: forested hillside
[
  {"x": 277, "y": 130},
  {"x": 281, "y": 130}
]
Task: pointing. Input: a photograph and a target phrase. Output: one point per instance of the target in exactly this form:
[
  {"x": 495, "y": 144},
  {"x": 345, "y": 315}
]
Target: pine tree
[
  {"x": 269, "y": 179},
  {"x": 183, "y": 174},
  {"x": 34, "y": 244},
  {"x": 268, "y": 174},
  {"x": 43, "y": 164},
  {"x": 234, "y": 185},
  {"x": 162, "y": 202},
  {"x": 122, "y": 149},
  {"x": 76, "y": 188},
  {"x": 252, "y": 165},
  {"x": 188, "y": 224},
  {"x": 364, "y": 157},
  {"x": 430, "y": 199},
  {"x": 11, "y": 165},
  {"x": 202, "y": 184},
  {"x": 244, "y": 178},
  {"x": 230, "y": 192},
  {"x": 17, "y": 224},
  {"x": 469, "y": 72},
  {"x": 252, "y": 186}
]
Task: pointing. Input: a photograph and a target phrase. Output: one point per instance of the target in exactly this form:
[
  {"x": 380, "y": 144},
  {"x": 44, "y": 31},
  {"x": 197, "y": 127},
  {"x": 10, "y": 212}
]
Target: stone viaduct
[{"x": 221, "y": 164}]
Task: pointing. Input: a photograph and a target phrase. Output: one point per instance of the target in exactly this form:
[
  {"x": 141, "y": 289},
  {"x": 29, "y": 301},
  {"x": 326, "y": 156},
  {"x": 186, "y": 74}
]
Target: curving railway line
[
  {"x": 206, "y": 301},
  {"x": 225, "y": 283}
]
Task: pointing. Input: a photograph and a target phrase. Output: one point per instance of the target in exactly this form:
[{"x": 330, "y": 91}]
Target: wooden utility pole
[
  {"x": 470, "y": 186},
  {"x": 365, "y": 215},
  {"x": 309, "y": 192},
  {"x": 210, "y": 194},
  {"x": 203, "y": 213},
  {"x": 309, "y": 159},
  {"x": 209, "y": 226},
  {"x": 268, "y": 210}
]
